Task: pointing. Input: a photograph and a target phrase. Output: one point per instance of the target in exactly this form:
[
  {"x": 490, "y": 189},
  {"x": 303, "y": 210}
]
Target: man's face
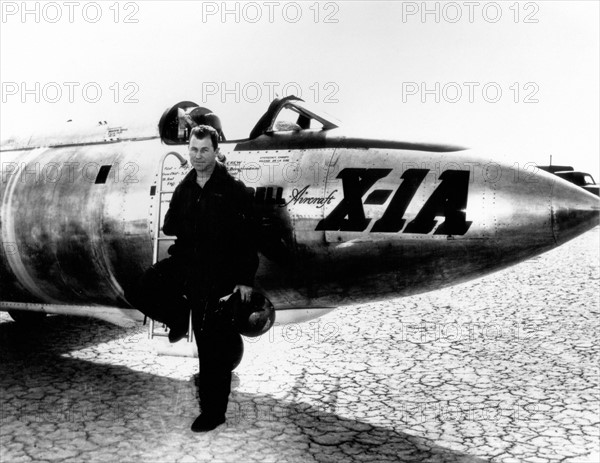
[{"x": 202, "y": 154}]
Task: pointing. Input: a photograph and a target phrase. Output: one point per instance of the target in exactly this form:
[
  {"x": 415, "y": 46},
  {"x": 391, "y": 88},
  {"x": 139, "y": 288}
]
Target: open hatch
[
  {"x": 284, "y": 114},
  {"x": 177, "y": 122}
]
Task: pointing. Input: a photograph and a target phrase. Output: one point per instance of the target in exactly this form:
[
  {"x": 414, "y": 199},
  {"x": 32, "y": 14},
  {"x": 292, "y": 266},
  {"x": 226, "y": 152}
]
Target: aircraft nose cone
[{"x": 574, "y": 211}]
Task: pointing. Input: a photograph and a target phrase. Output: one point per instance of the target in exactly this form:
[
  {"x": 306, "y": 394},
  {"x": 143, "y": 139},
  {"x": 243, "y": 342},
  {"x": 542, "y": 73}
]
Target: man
[{"x": 211, "y": 215}]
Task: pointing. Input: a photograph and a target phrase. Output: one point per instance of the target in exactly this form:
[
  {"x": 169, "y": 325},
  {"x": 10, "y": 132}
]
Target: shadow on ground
[{"x": 80, "y": 410}]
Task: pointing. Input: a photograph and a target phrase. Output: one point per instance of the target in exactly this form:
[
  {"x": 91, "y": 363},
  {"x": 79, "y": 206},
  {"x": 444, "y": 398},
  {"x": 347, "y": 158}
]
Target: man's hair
[{"x": 203, "y": 131}]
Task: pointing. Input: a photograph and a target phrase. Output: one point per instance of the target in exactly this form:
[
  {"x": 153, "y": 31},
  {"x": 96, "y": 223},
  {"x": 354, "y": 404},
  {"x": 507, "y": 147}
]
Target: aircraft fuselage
[{"x": 343, "y": 220}]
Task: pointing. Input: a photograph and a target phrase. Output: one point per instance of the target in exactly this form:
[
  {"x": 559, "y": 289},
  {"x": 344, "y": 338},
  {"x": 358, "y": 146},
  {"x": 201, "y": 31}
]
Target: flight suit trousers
[{"x": 216, "y": 340}]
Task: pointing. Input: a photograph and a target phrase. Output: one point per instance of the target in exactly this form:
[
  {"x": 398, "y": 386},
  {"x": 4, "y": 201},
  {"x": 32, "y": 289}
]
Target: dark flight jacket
[{"x": 216, "y": 230}]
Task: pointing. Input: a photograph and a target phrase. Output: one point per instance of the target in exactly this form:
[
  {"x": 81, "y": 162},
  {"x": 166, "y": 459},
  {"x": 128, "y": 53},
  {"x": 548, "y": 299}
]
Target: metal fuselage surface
[{"x": 343, "y": 220}]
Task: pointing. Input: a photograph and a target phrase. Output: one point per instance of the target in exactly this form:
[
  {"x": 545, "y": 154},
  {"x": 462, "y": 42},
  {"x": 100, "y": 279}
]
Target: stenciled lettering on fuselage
[{"x": 449, "y": 200}]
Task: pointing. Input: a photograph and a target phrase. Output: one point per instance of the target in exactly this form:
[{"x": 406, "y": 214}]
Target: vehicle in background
[{"x": 582, "y": 179}]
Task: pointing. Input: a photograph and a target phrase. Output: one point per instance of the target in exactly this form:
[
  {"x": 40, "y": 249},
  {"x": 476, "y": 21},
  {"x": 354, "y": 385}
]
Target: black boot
[{"x": 206, "y": 422}]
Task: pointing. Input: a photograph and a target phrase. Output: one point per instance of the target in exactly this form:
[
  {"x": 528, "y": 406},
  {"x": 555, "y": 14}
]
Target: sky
[{"x": 517, "y": 78}]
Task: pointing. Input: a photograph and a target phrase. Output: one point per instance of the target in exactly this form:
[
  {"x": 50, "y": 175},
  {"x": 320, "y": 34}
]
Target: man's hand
[{"x": 245, "y": 292}]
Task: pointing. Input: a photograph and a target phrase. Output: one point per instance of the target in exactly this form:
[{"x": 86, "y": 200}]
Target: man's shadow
[{"x": 99, "y": 406}]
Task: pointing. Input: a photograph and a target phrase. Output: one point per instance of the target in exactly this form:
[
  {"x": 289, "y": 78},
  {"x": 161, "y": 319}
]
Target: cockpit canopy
[{"x": 271, "y": 121}]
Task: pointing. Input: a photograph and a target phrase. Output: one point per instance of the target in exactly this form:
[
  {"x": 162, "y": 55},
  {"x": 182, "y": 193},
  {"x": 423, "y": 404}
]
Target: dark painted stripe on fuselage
[{"x": 319, "y": 140}]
